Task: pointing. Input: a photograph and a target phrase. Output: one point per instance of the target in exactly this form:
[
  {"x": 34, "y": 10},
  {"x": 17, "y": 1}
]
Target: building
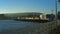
[
  {"x": 31, "y": 15},
  {"x": 50, "y": 16},
  {"x": 23, "y": 15},
  {"x": 58, "y": 15}
]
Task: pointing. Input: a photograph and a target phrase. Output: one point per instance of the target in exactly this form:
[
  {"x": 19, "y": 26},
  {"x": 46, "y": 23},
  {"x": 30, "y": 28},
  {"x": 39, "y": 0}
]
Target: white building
[{"x": 43, "y": 16}]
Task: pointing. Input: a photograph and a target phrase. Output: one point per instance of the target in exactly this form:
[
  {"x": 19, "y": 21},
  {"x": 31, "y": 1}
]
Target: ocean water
[
  {"x": 11, "y": 24},
  {"x": 14, "y": 27}
]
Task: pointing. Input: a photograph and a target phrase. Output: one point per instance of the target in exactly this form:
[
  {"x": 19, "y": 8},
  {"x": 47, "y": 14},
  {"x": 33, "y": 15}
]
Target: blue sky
[{"x": 20, "y": 6}]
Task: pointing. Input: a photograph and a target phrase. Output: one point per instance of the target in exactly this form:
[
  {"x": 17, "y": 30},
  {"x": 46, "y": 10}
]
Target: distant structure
[
  {"x": 35, "y": 16},
  {"x": 58, "y": 15},
  {"x": 50, "y": 16},
  {"x": 2, "y": 16},
  {"x": 31, "y": 15}
]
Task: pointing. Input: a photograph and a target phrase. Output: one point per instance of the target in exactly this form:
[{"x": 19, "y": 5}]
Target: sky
[{"x": 21, "y": 6}]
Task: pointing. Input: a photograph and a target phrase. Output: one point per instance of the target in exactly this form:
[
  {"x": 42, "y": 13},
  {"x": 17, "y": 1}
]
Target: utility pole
[{"x": 56, "y": 10}]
